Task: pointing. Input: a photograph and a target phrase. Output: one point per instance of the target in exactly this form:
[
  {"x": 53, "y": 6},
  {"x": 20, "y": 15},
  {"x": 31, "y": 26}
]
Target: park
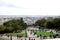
[{"x": 18, "y": 29}]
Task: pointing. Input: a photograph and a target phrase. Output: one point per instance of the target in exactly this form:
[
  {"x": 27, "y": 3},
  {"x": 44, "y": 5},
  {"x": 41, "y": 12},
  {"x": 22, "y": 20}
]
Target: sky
[{"x": 30, "y": 7}]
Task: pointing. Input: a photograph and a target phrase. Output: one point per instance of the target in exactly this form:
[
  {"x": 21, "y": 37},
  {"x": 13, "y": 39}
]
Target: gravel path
[{"x": 3, "y": 39}]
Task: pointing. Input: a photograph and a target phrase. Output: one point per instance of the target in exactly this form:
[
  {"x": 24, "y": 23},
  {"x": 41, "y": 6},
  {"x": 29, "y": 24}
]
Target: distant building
[
  {"x": 49, "y": 18},
  {"x": 2, "y": 20},
  {"x": 28, "y": 20}
]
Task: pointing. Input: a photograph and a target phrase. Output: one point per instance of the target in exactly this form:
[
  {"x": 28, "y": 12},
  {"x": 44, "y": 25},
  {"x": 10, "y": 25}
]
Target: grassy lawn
[
  {"x": 19, "y": 34},
  {"x": 44, "y": 33}
]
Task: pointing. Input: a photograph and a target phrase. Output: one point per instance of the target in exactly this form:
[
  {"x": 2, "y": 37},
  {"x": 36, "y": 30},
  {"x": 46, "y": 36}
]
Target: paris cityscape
[
  {"x": 29, "y": 27},
  {"x": 29, "y": 19}
]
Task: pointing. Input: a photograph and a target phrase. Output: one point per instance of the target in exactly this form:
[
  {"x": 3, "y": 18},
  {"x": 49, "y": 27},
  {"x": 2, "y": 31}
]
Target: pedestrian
[{"x": 11, "y": 37}]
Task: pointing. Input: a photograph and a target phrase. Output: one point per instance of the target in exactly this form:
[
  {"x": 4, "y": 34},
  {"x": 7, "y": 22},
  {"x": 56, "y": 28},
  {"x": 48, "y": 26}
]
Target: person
[
  {"x": 17, "y": 36},
  {"x": 29, "y": 38},
  {"x": 11, "y": 37},
  {"x": 8, "y": 35},
  {"x": 25, "y": 38},
  {"x": 34, "y": 38}
]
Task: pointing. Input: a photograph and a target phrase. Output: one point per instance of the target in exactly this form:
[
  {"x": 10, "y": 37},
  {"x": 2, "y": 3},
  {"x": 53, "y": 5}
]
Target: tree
[
  {"x": 56, "y": 22},
  {"x": 50, "y": 25},
  {"x": 16, "y": 24},
  {"x": 2, "y": 28},
  {"x": 9, "y": 28},
  {"x": 40, "y": 22}
]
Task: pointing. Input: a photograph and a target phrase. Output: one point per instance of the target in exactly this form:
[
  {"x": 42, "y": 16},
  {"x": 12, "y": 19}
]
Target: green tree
[
  {"x": 56, "y": 22},
  {"x": 9, "y": 28},
  {"x": 40, "y": 22},
  {"x": 49, "y": 25},
  {"x": 16, "y": 24},
  {"x": 2, "y": 28}
]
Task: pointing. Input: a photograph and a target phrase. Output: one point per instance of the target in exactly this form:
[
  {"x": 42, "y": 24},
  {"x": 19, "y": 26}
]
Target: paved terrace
[{"x": 15, "y": 38}]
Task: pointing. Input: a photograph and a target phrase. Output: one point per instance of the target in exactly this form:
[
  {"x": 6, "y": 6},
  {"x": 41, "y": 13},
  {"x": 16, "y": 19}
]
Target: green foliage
[
  {"x": 19, "y": 34},
  {"x": 41, "y": 23},
  {"x": 56, "y": 22},
  {"x": 2, "y": 28},
  {"x": 53, "y": 24},
  {"x": 16, "y": 24},
  {"x": 9, "y": 28},
  {"x": 44, "y": 33},
  {"x": 25, "y": 35},
  {"x": 49, "y": 25}
]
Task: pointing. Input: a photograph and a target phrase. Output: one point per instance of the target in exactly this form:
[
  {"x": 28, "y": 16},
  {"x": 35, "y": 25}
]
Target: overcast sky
[{"x": 29, "y": 7}]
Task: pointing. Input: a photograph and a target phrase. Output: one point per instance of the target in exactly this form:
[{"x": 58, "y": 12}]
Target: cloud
[
  {"x": 30, "y": 7},
  {"x": 2, "y": 4}
]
